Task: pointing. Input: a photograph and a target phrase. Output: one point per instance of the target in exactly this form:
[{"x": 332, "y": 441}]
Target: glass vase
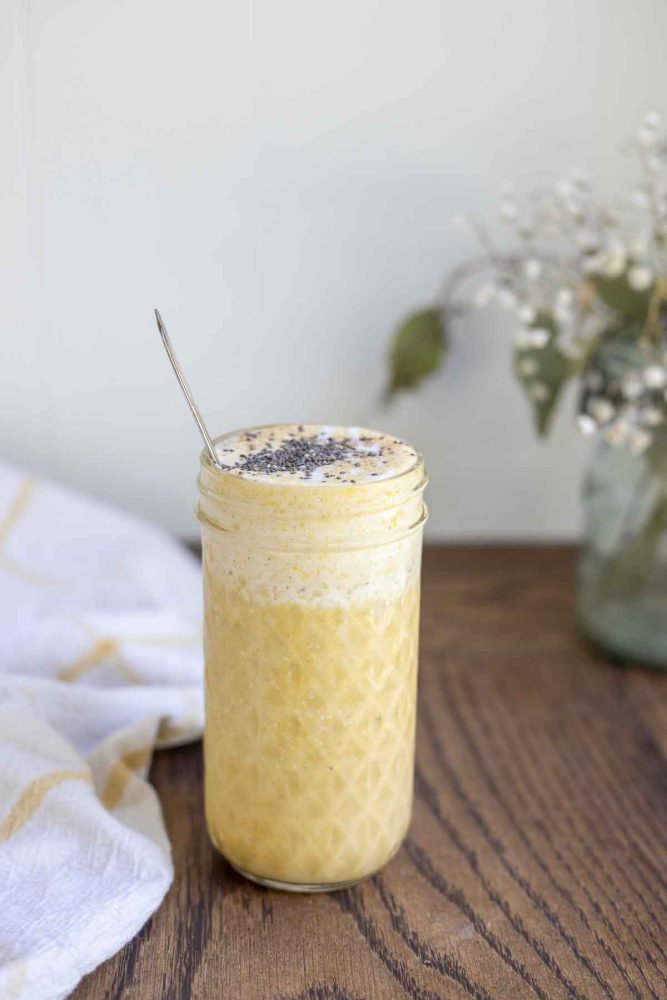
[{"x": 622, "y": 575}]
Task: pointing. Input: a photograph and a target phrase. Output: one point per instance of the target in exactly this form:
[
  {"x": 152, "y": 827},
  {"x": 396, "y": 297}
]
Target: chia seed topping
[
  {"x": 315, "y": 454},
  {"x": 297, "y": 455}
]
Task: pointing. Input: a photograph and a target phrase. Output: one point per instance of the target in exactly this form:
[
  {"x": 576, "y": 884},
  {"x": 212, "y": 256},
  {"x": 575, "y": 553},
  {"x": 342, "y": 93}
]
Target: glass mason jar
[
  {"x": 622, "y": 573},
  {"x": 311, "y": 636}
]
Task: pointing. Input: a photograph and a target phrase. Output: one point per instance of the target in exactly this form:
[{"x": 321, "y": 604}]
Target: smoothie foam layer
[{"x": 312, "y": 515}]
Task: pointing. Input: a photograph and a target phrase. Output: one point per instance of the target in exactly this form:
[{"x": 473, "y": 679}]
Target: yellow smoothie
[{"x": 312, "y": 546}]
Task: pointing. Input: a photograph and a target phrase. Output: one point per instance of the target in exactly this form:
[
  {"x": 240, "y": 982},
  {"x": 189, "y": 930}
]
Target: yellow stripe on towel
[
  {"x": 16, "y": 507},
  {"x": 131, "y": 762},
  {"x": 32, "y": 798},
  {"x": 103, "y": 649}
]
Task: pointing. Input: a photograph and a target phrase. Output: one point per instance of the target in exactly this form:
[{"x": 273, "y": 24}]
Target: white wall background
[{"x": 279, "y": 178}]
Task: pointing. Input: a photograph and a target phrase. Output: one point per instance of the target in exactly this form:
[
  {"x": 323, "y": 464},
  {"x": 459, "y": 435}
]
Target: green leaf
[
  {"x": 417, "y": 350},
  {"x": 543, "y": 372},
  {"x": 619, "y": 296}
]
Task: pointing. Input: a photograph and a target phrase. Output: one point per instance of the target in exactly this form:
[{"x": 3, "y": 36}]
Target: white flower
[
  {"x": 639, "y": 440},
  {"x": 539, "y": 337},
  {"x": 632, "y": 385},
  {"x": 506, "y": 298},
  {"x": 640, "y": 277},
  {"x": 483, "y": 295},
  {"x": 610, "y": 261},
  {"x": 533, "y": 269},
  {"x": 639, "y": 198},
  {"x": 586, "y": 424},
  {"x": 617, "y": 432},
  {"x": 565, "y": 189},
  {"x": 651, "y": 416},
  {"x": 540, "y": 392},
  {"x": 529, "y": 367},
  {"x": 508, "y": 210},
  {"x": 652, "y": 119},
  {"x": 600, "y": 409},
  {"x": 528, "y": 338},
  {"x": 655, "y": 377},
  {"x": 527, "y": 313},
  {"x": 563, "y": 305},
  {"x": 613, "y": 259},
  {"x": 647, "y": 137}
]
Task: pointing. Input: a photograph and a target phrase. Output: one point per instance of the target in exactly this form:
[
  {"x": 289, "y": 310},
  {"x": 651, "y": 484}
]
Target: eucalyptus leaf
[
  {"x": 417, "y": 350},
  {"x": 619, "y": 296},
  {"x": 543, "y": 372}
]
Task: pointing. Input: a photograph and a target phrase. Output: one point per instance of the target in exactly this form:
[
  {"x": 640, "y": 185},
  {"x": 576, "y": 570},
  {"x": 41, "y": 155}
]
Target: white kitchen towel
[{"x": 100, "y": 662}]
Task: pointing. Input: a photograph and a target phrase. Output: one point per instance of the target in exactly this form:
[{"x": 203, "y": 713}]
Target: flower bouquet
[{"x": 586, "y": 280}]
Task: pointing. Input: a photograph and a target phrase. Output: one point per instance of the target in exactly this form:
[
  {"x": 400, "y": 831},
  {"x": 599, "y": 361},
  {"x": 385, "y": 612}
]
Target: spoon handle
[{"x": 208, "y": 441}]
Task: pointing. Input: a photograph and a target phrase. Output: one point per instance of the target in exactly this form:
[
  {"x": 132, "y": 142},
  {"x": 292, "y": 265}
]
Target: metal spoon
[{"x": 208, "y": 440}]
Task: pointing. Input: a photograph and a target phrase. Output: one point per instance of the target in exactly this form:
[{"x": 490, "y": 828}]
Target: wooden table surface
[{"x": 535, "y": 865}]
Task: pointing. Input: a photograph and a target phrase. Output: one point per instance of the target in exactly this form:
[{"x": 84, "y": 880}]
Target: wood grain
[{"x": 535, "y": 866}]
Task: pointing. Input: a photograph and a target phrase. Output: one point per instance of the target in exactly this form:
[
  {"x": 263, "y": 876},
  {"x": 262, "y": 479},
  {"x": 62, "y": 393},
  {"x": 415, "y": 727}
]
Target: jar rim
[{"x": 206, "y": 461}]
